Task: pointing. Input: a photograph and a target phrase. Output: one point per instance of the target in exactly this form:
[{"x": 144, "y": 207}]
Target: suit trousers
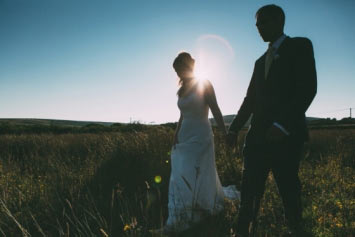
[{"x": 283, "y": 160}]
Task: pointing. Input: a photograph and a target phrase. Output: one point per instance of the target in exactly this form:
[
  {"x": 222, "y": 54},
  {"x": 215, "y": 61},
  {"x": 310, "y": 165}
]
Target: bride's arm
[
  {"x": 212, "y": 103},
  {"x": 176, "y": 141}
]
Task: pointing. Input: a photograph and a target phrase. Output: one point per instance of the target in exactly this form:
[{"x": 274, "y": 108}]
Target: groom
[{"x": 282, "y": 87}]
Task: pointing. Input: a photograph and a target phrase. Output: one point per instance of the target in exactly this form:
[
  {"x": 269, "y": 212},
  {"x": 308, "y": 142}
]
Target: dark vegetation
[{"x": 98, "y": 180}]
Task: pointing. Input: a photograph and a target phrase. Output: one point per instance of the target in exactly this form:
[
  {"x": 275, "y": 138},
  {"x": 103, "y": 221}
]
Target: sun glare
[{"x": 212, "y": 56}]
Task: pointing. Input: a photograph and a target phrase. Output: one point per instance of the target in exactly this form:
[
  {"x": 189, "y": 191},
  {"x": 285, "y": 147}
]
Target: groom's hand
[
  {"x": 275, "y": 134},
  {"x": 231, "y": 139}
]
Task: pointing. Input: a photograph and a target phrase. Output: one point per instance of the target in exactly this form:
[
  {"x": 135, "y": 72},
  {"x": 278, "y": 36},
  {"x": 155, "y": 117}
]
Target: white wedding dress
[{"x": 195, "y": 190}]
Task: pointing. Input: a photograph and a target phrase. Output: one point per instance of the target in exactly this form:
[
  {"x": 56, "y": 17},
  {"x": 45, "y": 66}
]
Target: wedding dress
[{"x": 195, "y": 190}]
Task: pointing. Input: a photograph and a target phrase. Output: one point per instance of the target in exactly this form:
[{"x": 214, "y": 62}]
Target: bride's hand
[{"x": 176, "y": 141}]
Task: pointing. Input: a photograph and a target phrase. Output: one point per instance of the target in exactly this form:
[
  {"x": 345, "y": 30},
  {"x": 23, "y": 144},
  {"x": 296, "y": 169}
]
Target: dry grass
[{"x": 103, "y": 185}]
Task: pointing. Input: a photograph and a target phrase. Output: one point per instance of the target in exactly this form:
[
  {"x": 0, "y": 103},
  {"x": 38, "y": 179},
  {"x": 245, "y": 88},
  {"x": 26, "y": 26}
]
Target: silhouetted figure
[
  {"x": 281, "y": 89},
  {"x": 195, "y": 191}
]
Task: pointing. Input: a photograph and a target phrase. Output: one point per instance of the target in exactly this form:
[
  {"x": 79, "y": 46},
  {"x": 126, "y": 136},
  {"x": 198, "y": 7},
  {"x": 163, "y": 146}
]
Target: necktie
[{"x": 268, "y": 59}]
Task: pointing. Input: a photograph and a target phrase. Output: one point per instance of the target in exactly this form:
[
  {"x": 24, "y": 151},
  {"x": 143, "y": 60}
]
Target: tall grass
[{"x": 103, "y": 185}]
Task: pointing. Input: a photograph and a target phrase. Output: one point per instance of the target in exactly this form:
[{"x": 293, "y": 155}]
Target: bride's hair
[{"x": 183, "y": 62}]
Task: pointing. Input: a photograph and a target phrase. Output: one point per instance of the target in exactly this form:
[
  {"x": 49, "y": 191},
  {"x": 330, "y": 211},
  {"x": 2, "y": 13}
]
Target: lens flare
[
  {"x": 213, "y": 55},
  {"x": 157, "y": 179},
  {"x": 219, "y": 39}
]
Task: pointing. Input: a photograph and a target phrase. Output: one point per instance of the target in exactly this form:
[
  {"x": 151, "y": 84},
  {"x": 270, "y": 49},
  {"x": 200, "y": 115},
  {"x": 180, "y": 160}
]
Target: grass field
[{"x": 103, "y": 184}]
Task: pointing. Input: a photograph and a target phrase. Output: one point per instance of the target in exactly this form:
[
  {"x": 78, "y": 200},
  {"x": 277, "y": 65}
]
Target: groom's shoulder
[
  {"x": 300, "y": 42},
  {"x": 260, "y": 58}
]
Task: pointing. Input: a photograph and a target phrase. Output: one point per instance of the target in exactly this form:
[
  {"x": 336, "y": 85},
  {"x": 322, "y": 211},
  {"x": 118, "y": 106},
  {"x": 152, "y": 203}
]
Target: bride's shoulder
[
  {"x": 204, "y": 83},
  {"x": 206, "y": 87}
]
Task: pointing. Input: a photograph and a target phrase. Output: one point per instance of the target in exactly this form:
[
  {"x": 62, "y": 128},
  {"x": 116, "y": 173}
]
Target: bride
[{"x": 195, "y": 191}]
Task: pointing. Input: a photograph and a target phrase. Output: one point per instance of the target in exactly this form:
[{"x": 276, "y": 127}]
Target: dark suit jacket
[{"x": 284, "y": 96}]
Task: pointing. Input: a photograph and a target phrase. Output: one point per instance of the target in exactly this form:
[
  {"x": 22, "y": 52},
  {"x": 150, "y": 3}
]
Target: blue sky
[{"x": 111, "y": 60}]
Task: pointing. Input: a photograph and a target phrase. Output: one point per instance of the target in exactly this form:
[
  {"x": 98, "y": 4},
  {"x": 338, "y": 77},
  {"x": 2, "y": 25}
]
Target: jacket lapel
[
  {"x": 277, "y": 56},
  {"x": 262, "y": 66}
]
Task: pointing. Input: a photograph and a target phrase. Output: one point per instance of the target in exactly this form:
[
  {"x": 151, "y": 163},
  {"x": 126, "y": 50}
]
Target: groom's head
[{"x": 270, "y": 21}]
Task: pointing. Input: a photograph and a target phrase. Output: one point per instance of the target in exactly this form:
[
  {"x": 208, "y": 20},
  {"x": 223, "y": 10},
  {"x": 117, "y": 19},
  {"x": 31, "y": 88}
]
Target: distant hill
[
  {"x": 55, "y": 126},
  {"x": 52, "y": 122},
  {"x": 312, "y": 121}
]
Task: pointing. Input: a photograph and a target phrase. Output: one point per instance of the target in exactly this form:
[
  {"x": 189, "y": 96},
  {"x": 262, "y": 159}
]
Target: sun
[
  {"x": 200, "y": 71},
  {"x": 207, "y": 67},
  {"x": 213, "y": 54},
  {"x": 201, "y": 74}
]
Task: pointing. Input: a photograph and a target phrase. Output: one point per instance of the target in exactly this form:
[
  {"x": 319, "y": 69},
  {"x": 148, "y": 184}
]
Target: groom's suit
[{"x": 278, "y": 97}]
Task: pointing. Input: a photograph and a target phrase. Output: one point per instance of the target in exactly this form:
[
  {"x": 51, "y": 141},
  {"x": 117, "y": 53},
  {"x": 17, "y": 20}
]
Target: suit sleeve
[
  {"x": 304, "y": 85},
  {"x": 246, "y": 108}
]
